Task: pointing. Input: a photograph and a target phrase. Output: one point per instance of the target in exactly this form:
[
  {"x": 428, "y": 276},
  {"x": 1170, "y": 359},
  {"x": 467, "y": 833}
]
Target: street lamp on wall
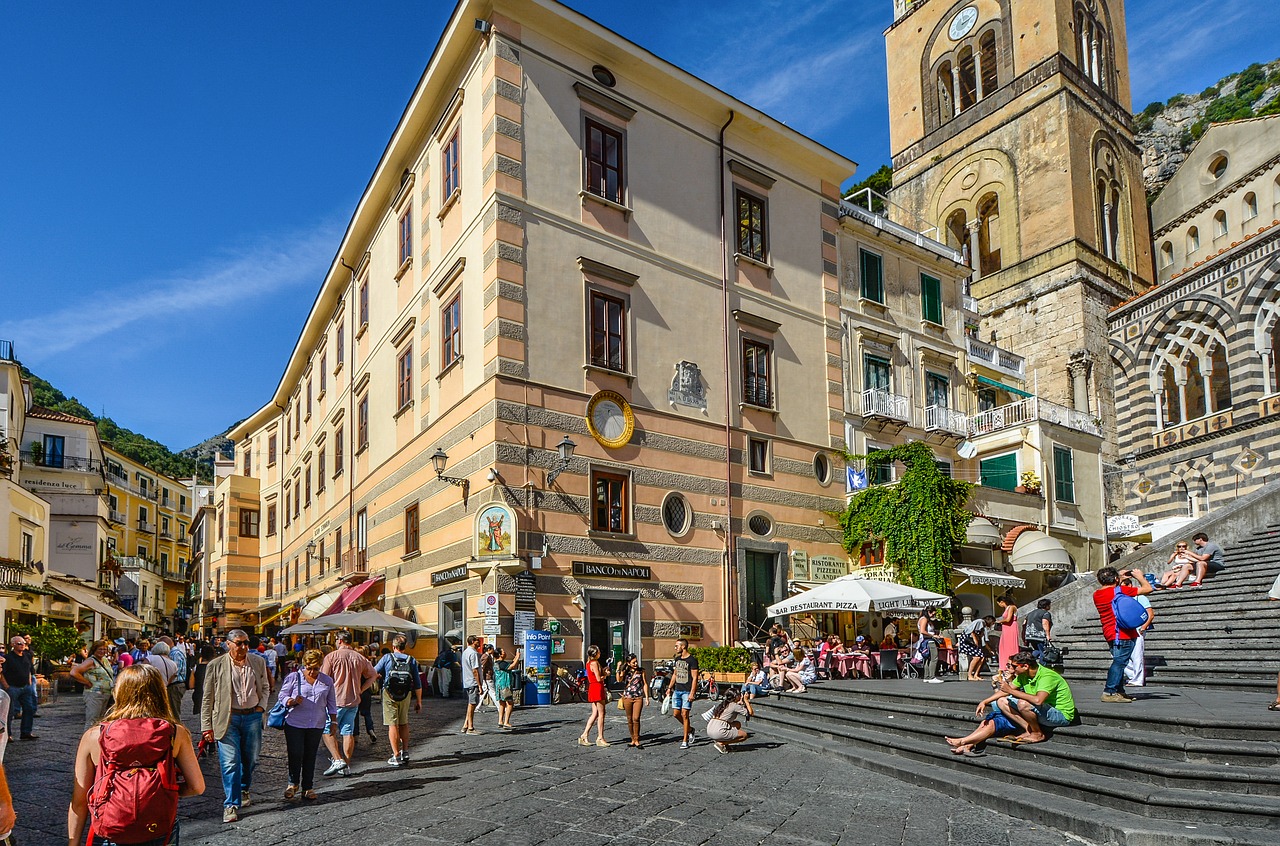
[
  {"x": 311, "y": 554},
  {"x": 565, "y": 448},
  {"x": 440, "y": 460}
]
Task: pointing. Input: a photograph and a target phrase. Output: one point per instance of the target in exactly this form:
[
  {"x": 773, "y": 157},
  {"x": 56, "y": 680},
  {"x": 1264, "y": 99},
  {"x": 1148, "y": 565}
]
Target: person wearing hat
[
  {"x": 96, "y": 674},
  {"x": 861, "y": 653}
]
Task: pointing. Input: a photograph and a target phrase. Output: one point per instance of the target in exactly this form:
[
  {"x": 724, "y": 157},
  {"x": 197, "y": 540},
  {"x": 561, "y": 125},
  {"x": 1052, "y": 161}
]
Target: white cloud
[
  {"x": 218, "y": 283},
  {"x": 1165, "y": 49}
]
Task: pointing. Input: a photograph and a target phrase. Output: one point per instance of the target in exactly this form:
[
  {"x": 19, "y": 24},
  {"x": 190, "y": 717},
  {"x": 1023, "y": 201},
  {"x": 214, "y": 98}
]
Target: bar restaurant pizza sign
[{"x": 827, "y": 568}]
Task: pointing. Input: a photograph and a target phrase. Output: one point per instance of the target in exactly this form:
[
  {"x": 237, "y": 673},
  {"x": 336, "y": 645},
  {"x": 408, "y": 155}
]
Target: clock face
[
  {"x": 962, "y": 23},
  {"x": 610, "y": 419}
]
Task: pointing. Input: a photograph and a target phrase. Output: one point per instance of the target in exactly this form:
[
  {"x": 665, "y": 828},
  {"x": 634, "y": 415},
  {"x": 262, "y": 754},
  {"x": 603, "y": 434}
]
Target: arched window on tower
[
  {"x": 1191, "y": 377},
  {"x": 958, "y": 233},
  {"x": 1107, "y": 196},
  {"x": 1266, "y": 343},
  {"x": 1219, "y": 224},
  {"x": 1093, "y": 46},
  {"x": 989, "y": 235},
  {"x": 968, "y": 85},
  {"x": 1193, "y": 240},
  {"x": 1166, "y": 255},
  {"x": 946, "y": 102},
  {"x": 989, "y": 78},
  {"x": 1250, "y": 206}
]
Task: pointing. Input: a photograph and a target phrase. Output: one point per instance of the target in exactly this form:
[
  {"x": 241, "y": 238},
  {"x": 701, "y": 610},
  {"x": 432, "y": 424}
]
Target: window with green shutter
[
  {"x": 1064, "y": 479},
  {"x": 871, "y": 266},
  {"x": 999, "y": 472},
  {"x": 931, "y": 298}
]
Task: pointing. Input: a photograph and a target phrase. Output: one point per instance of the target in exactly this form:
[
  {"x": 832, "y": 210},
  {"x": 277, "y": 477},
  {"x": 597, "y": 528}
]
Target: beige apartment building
[{"x": 566, "y": 241}]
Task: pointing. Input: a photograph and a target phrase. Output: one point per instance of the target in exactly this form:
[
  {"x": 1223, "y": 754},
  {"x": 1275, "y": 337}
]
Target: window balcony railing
[
  {"x": 757, "y": 393},
  {"x": 117, "y": 477},
  {"x": 997, "y": 359},
  {"x": 1030, "y": 410},
  {"x": 145, "y": 493},
  {"x": 144, "y": 526},
  {"x": 62, "y": 462},
  {"x": 877, "y": 403},
  {"x": 970, "y": 304},
  {"x": 167, "y": 501},
  {"x": 354, "y": 562},
  {"x": 166, "y": 534},
  {"x": 939, "y": 418},
  {"x": 117, "y": 517},
  {"x": 14, "y": 573}
]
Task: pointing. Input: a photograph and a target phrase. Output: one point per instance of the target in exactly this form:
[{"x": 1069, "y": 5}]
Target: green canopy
[{"x": 1002, "y": 386}]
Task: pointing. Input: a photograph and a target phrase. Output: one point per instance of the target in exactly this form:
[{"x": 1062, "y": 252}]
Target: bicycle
[
  {"x": 566, "y": 687},
  {"x": 707, "y": 686}
]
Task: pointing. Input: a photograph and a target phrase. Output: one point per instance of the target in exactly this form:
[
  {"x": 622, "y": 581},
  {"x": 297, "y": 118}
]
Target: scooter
[{"x": 661, "y": 679}]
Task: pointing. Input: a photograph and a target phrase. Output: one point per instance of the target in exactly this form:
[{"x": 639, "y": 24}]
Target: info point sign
[{"x": 537, "y": 657}]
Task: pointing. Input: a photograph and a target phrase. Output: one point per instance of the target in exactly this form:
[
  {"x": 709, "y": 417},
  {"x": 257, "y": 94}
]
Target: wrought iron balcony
[
  {"x": 61, "y": 462},
  {"x": 117, "y": 517},
  {"x": 1029, "y": 410},
  {"x": 939, "y": 418},
  {"x": 144, "y": 526},
  {"x": 166, "y": 534},
  {"x": 877, "y": 403},
  {"x": 989, "y": 355},
  {"x": 14, "y": 573},
  {"x": 354, "y": 562},
  {"x": 756, "y": 392}
]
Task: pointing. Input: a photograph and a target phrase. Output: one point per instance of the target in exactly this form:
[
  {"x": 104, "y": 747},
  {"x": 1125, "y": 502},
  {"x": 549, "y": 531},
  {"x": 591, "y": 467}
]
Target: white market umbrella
[
  {"x": 376, "y": 620},
  {"x": 320, "y": 625},
  {"x": 851, "y": 593}
]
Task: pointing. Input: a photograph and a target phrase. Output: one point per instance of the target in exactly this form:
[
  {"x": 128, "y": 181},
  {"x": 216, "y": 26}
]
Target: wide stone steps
[
  {"x": 1214, "y": 635},
  {"x": 1157, "y": 773}
]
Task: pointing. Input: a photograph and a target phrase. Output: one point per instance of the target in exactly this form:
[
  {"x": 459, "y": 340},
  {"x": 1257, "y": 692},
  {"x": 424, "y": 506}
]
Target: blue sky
[{"x": 174, "y": 178}]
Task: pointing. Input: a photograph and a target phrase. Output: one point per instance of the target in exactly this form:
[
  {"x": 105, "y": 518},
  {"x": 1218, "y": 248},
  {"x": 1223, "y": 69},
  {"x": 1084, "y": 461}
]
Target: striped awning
[
  {"x": 1002, "y": 386},
  {"x": 350, "y": 596}
]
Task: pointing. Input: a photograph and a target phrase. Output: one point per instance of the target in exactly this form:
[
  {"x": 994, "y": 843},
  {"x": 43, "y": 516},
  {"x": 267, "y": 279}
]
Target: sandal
[
  {"x": 291, "y": 791},
  {"x": 310, "y": 796},
  {"x": 1274, "y": 706}
]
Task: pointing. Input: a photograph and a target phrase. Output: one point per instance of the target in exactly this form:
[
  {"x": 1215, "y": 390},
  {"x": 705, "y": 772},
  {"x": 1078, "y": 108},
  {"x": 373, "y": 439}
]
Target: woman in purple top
[{"x": 308, "y": 694}]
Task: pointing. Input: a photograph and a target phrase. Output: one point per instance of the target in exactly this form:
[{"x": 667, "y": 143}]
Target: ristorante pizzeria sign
[{"x": 611, "y": 571}]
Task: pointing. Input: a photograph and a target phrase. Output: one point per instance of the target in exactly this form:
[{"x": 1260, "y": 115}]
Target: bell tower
[{"x": 1010, "y": 125}]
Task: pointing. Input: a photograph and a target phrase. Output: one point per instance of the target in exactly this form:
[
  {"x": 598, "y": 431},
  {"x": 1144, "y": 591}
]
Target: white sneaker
[
  {"x": 935, "y": 681},
  {"x": 229, "y": 814},
  {"x": 692, "y": 735},
  {"x": 684, "y": 744},
  {"x": 394, "y": 761},
  {"x": 404, "y": 757},
  {"x": 244, "y": 799},
  {"x": 335, "y": 768}
]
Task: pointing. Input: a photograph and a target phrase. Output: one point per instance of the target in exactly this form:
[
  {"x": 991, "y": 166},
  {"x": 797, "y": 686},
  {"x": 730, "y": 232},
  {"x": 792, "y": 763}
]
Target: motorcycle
[{"x": 661, "y": 679}]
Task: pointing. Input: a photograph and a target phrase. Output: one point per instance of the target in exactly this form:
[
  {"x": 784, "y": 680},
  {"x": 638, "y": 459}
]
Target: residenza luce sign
[{"x": 611, "y": 571}]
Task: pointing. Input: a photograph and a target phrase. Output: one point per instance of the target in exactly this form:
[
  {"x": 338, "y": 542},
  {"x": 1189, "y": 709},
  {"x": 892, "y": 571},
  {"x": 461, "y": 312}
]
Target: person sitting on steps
[{"x": 1032, "y": 698}]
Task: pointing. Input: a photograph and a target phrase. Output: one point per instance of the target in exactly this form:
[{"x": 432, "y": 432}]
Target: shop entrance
[
  {"x": 610, "y": 627},
  {"x": 760, "y": 573},
  {"x": 453, "y": 633}
]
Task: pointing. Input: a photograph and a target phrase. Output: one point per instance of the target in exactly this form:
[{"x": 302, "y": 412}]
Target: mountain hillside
[
  {"x": 219, "y": 446},
  {"x": 1166, "y": 131},
  {"x": 140, "y": 448}
]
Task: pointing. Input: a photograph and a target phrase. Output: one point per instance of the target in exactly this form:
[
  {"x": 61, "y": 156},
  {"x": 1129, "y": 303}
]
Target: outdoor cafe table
[{"x": 842, "y": 665}]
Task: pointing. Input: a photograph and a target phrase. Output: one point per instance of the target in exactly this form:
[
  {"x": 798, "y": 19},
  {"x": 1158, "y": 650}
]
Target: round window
[
  {"x": 677, "y": 516},
  {"x": 822, "y": 468},
  {"x": 604, "y": 76},
  {"x": 760, "y": 524},
  {"x": 1218, "y": 167}
]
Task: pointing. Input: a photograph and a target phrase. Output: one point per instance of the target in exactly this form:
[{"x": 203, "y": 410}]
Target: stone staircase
[
  {"x": 1220, "y": 635},
  {"x": 1184, "y": 765}
]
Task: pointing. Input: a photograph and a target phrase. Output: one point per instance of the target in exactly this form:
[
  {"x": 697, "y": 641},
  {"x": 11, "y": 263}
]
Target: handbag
[
  {"x": 275, "y": 717},
  {"x": 1051, "y": 655},
  {"x": 621, "y": 706},
  {"x": 666, "y": 704}
]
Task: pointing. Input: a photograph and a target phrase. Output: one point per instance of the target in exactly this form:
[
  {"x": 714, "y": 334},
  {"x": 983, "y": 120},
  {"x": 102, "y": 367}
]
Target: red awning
[{"x": 352, "y": 595}]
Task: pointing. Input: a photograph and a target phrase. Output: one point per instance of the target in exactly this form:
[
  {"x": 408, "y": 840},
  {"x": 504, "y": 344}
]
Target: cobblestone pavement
[{"x": 535, "y": 786}]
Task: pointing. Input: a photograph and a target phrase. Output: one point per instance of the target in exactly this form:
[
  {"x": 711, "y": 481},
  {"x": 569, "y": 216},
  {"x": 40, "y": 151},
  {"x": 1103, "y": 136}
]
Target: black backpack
[{"x": 399, "y": 681}]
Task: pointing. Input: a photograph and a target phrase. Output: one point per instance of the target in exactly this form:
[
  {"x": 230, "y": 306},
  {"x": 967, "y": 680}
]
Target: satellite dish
[{"x": 966, "y": 450}]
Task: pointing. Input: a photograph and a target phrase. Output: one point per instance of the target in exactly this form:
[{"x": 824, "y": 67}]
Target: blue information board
[{"x": 537, "y": 658}]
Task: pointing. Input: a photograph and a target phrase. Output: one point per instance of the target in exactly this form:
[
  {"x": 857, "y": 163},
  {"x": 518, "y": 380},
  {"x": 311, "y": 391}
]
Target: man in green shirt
[{"x": 1035, "y": 697}]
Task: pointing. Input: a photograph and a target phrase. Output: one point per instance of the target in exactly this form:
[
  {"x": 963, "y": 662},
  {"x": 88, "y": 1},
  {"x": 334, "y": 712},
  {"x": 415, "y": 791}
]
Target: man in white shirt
[{"x": 471, "y": 682}]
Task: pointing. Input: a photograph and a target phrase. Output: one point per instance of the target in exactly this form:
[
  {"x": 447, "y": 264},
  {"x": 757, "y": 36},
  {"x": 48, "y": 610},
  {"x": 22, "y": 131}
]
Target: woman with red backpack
[{"x": 130, "y": 769}]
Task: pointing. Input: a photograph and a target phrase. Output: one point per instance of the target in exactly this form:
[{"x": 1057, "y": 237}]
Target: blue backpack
[{"x": 1129, "y": 612}]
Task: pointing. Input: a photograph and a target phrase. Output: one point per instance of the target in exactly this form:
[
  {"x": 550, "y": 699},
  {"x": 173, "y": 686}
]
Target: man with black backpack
[
  {"x": 400, "y": 677},
  {"x": 1114, "y": 602}
]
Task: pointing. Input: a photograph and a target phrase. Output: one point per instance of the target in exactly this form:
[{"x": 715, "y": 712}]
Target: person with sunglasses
[
  {"x": 236, "y": 692},
  {"x": 1181, "y": 565}
]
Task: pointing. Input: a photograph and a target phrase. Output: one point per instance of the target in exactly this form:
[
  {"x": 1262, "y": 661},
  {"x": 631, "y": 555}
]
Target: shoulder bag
[{"x": 275, "y": 717}]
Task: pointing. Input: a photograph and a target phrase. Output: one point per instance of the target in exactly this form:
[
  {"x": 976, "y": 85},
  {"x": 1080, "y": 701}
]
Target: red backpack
[{"x": 134, "y": 797}]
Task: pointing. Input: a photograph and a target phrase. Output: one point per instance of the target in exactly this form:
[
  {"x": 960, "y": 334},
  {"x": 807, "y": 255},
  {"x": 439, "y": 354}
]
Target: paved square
[{"x": 535, "y": 786}]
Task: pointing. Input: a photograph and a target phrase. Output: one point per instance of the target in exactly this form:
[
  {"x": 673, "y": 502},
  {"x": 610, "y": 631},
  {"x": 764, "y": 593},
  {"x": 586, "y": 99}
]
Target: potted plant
[
  {"x": 1030, "y": 483},
  {"x": 37, "y": 452},
  {"x": 728, "y": 664}
]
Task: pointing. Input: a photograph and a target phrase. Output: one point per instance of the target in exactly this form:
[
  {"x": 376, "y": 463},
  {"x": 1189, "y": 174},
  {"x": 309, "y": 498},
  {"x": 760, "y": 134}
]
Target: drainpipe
[
  {"x": 279, "y": 501},
  {"x": 349, "y": 322},
  {"x": 730, "y": 582}
]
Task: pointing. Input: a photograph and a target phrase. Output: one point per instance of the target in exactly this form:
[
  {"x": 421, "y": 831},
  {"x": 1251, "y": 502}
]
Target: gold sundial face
[{"x": 610, "y": 419}]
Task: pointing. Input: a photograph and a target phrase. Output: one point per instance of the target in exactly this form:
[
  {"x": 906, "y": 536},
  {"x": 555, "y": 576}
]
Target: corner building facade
[
  {"x": 1011, "y": 136},
  {"x": 566, "y": 238}
]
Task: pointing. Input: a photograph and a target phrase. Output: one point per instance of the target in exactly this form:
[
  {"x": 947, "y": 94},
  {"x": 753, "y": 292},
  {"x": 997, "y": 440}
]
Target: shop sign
[
  {"x": 691, "y": 631},
  {"x": 799, "y": 565},
  {"x": 1119, "y": 525},
  {"x": 495, "y": 532},
  {"x": 611, "y": 571},
  {"x": 524, "y": 621},
  {"x": 453, "y": 574},
  {"x": 526, "y": 590},
  {"x": 826, "y": 568}
]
